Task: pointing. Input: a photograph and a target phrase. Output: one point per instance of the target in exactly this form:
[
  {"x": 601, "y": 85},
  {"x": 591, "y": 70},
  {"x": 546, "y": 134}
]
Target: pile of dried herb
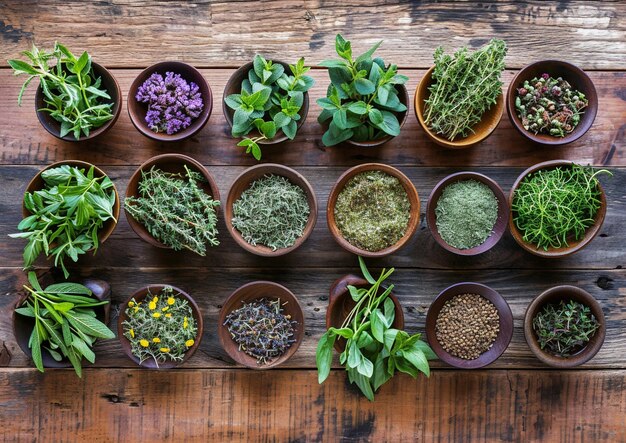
[
  {"x": 564, "y": 329},
  {"x": 467, "y": 326},
  {"x": 373, "y": 211},
  {"x": 272, "y": 212},
  {"x": 175, "y": 210},
  {"x": 464, "y": 87},
  {"x": 466, "y": 213},
  {"x": 261, "y": 329}
]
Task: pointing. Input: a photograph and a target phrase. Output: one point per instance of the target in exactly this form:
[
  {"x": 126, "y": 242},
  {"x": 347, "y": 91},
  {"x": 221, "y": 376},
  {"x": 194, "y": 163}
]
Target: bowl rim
[
  {"x": 141, "y": 294},
  {"x": 412, "y": 195},
  {"x": 234, "y": 300},
  {"x": 502, "y": 217},
  {"x": 161, "y": 67},
  {"x": 256, "y": 172},
  {"x": 581, "y": 77},
  {"x": 138, "y": 227},
  {"x": 465, "y": 142},
  {"x": 590, "y": 233},
  {"x": 101, "y": 71},
  {"x": 232, "y": 82},
  {"x": 564, "y": 292},
  {"x": 501, "y": 342}
]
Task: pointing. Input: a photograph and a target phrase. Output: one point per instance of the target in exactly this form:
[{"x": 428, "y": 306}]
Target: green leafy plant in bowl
[
  {"x": 270, "y": 101},
  {"x": 363, "y": 100},
  {"x": 374, "y": 350}
]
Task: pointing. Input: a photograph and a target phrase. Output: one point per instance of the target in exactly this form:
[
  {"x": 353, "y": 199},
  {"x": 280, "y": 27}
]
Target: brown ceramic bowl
[
  {"x": 555, "y": 295},
  {"x": 574, "y": 246},
  {"x": 502, "y": 340},
  {"x": 139, "y": 296},
  {"x": 412, "y": 195},
  {"x": 501, "y": 221},
  {"x": 482, "y": 130},
  {"x": 137, "y": 110},
  {"x": 403, "y": 95},
  {"x": 340, "y": 304},
  {"x": 243, "y": 181},
  {"x": 576, "y": 78},
  {"x": 23, "y": 326},
  {"x": 174, "y": 163},
  {"x": 37, "y": 183},
  {"x": 113, "y": 89},
  {"x": 233, "y": 86},
  {"x": 246, "y": 294}
]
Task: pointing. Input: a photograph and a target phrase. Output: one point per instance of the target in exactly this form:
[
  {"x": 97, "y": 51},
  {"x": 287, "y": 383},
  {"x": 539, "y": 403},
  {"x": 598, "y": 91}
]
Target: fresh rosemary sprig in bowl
[{"x": 557, "y": 208}]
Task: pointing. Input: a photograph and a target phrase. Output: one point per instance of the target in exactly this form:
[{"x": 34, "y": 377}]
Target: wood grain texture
[
  {"x": 414, "y": 288},
  {"x": 242, "y": 406},
  {"x": 24, "y": 141},
  {"x": 122, "y": 33}
]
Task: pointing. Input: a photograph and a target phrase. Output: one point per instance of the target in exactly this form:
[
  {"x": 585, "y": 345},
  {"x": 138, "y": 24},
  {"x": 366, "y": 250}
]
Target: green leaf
[
  {"x": 340, "y": 118},
  {"x": 55, "y": 355},
  {"x": 35, "y": 348},
  {"x": 335, "y": 135},
  {"x": 365, "y": 340},
  {"x": 417, "y": 358},
  {"x": 366, "y": 273},
  {"x": 404, "y": 366},
  {"x": 268, "y": 129},
  {"x": 83, "y": 349},
  {"x": 354, "y": 354},
  {"x": 363, "y": 383},
  {"x": 367, "y": 54},
  {"x": 63, "y": 307},
  {"x": 423, "y": 346},
  {"x": 375, "y": 74},
  {"x": 333, "y": 63},
  {"x": 290, "y": 129},
  {"x": 324, "y": 356},
  {"x": 22, "y": 67},
  {"x": 390, "y": 311},
  {"x": 339, "y": 75},
  {"x": 378, "y": 325},
  {"x": 366, "y": 368},
  {"x": 89, "y": 325},
  {"x": 26, "y": 311},
  {"x": 34, "y": 282},
  {"x": 376, "y": 116},
  {"x": 259, "y": 65},
  {"x": 359, "y": 108},
  {"x": 381, "y": 375},
  {"x": 389, "y": 124},
  {"x": 382, "y": 94},
  {"x": 364, "y": 86},
  {"x": 327, "y": 103},
  {"x": 98, "y": 92},
  {"x": 233, "y": 101},
  {"x": 389, "y": 338},
  {"x": 343, "y": 332},
  {"x": 280, "y": 119}
]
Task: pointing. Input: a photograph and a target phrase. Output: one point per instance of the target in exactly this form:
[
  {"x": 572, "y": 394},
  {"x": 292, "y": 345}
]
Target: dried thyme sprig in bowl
[{"x": 172, "y": 202}]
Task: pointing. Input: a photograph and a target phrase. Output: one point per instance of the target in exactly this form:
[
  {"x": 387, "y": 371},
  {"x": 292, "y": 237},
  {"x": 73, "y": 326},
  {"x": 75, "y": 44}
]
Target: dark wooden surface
[{"x": 209, "y": 398}]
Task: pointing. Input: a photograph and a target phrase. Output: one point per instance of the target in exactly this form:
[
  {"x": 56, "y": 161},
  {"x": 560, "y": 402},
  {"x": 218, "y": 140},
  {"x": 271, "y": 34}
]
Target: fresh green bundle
[
  {"x": 66, "y": 214},
  {"x": 464, "y": 87}
]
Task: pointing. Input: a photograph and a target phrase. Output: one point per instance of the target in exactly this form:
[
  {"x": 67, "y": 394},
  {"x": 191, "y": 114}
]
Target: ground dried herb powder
[
  {"x": 466, "y": 213},
  {"x": 372, "y": 211}
]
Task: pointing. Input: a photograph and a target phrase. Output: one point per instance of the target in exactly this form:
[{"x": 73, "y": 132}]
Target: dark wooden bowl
[
  {"x": 340, "y": 304},
  {"x": 502, "y": 340},
  {"x": 139, "y": 296},
  {"x": 555, "y": 295},
  {"x": 576, "y": 77},
  {"x": 174, "y": 163},
  {"x": 482, "y": 130},
  {"x": 23, "y": 326},
  {"x": 501, "y": 221},
  {"x": 253, "y": 291},
  {"x": 233, "y": 86},
  {"x": 243, "y": 181},
  {"x": 37, "y": 184},
  {"x": 412, "y": 195},
  {"x": 574, "y": 246},
  {"x": 113, "y": 89},
  {"x": 137, "y": 110},
  {"x": 403, "y": 95}
]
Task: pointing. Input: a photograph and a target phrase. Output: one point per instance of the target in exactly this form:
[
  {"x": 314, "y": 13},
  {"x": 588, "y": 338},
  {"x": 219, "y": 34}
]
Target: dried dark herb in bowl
[
  {"x": 548, "y": 105},
  {"x": 272, "y": 212},
  {"x": 372, "y": 211},
  {"x": 564, "y": 329},
  {"x": 466, "y": 213},
  {"x": 261, "y": 329}
]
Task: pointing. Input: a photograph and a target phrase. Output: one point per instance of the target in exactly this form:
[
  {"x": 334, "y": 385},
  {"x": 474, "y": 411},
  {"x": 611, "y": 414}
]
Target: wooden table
[{"x": 209, "y": 398}]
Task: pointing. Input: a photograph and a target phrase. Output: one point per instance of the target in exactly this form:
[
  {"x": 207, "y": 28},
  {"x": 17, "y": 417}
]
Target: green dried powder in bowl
[
  {"x": 373, "y": 211},
  {"x": 466, "y": 213}
]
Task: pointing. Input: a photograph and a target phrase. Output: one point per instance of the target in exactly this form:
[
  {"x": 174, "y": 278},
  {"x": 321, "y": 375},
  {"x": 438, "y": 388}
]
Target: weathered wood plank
[
  {"x": 24, "y": 141},
  {"x": 415, "y": 289},
  {"x": 241, "y": 406},
  {"x": 125, "y": 249},
  {"x": 135, "y": 33}
]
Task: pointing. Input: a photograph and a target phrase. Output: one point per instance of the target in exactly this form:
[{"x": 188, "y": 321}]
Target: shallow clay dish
[
  {"x": 501, "y": 221},
  {"x": 555, "y": 295},
  {"x": 137, "y": 110},
  {"x": 174, "y": 163},
  {"x": 139, "y": 296},
  {"x": 113, "y": 89},
  {"x": 411, "y": 195},
  {"x": 253, "y": 291},
  {"x": 243, "y": 181},
  {"x": 574, "y": 246},
  {"x": 502, "y": 340},
  {"x": 576, "y": 77},
  {"x": 482, "y": 130}
]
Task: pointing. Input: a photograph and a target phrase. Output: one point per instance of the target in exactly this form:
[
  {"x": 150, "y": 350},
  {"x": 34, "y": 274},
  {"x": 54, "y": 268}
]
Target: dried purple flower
[{"x": 172, "y": 102}]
